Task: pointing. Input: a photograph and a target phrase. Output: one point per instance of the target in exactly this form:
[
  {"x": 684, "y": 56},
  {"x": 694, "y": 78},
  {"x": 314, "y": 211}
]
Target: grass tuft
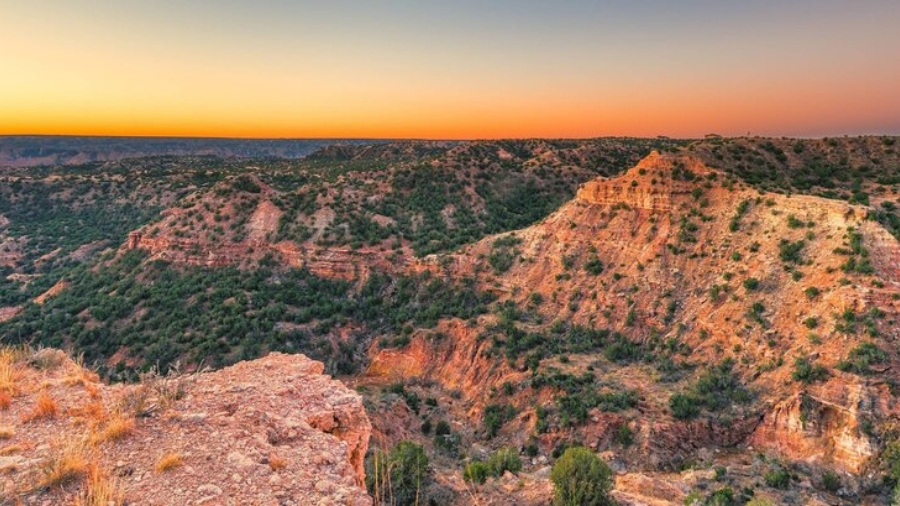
[
  {"x": 44, "y": 407},
  {"x": 117, "y": 428},
  {"x": 168, "y": 462},
  {"x": 9, "y": 372},
  {"x": 68, "y": 463},
  {"x": 101, "y": 490}
]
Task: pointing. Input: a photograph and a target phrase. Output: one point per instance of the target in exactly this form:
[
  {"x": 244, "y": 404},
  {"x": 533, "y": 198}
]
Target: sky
[{"x": 457, "y": 69}]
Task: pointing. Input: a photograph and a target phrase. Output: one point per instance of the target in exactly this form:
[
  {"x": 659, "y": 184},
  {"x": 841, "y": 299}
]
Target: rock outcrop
[{"x": 272, "y": 431}]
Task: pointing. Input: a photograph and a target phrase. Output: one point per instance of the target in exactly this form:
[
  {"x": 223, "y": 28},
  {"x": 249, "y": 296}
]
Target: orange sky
[{"x": 399, "y": 69}]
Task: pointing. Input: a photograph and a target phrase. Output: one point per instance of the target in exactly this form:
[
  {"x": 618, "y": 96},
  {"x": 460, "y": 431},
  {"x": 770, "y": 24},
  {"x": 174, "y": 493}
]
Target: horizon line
[{"x": 441, "y": 139}]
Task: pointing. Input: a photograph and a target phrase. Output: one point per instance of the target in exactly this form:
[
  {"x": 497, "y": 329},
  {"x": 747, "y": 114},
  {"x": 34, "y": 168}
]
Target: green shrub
[
  {"x": 751, "y": 283},
  {"x": 476, "y": 472},
  {"x": 504, "y": 459},
  {"x": 793, "y": 222},
  {"x": 861, "y": 358},
  {"x": 791, "y": 252},
  {"x": 717, "y": 388},
  {"x": 593, "y": 266},
  {"x": 399, "y": 477},
  {"x": 778, "y": 478},
  {"x": 495, "y": 416},
  {"x": 721, "y": 497},
  {"x": 807, "y": 372},
  {"x": 580, "y": 478},
  {"x": 831, "y": 481},
  {"x": 624, "y": 435},
  {"x": 684, "y": 406}
]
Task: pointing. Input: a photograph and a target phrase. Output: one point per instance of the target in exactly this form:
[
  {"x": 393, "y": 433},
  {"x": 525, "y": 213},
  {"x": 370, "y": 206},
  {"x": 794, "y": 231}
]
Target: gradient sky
[{"x": 449, "y": 69}]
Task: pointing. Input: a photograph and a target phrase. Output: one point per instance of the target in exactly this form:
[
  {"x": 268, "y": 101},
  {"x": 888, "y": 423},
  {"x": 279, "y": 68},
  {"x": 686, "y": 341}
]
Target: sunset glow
[{"x": 423, "y": 69}]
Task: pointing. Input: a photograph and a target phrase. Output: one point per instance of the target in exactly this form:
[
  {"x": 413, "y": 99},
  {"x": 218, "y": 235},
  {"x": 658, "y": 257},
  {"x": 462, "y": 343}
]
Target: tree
[
  {"x": 400, "y": 477},
  {"x": 580, "y": 478}
]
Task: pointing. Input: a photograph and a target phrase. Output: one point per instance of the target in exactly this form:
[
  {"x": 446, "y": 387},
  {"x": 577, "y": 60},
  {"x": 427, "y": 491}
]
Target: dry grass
[
  {"x": 5, "y": 400},
  {"x": 94, "y": 413},
  {"x": 101, "y": 489},
  {"x": 168, "y": 462},
  {"x": 277, "y": 463},
  {"x": 170, "y": 387},
  {"x": 7, "y": 432},
  {"x": 69, "y": 462},
  {"x": 117, "y": 428},
  {"x": 44, "y": 407},
  {"x": 136, "y": 401},
  {"x": 10, "y": 371},
  {"x": 79, "y": 374}
]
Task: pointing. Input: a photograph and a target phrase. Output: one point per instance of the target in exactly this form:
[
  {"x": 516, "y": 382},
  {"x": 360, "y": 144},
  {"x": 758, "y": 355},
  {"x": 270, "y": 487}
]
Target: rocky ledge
[{"x": 273, "y": 431}]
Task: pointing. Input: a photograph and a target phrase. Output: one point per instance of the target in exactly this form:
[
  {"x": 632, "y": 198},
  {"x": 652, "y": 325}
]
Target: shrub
[
  {"x": 831, "y": 481},
  {"x": 721, "y": 497},
  {"x": 751, "y": 283},
  {"x": 861, "y": 358},
  {"x": 793, "y": 222},
  {"x": 495, "y": 416},
  {"x": 778, "y": 478},
  {"x": 790, "y": 252},
  {"x": 593, "y": 266},
  {"x": 246, "y": 184},
  {"x": 476, "y": 472},
  {"x": 504, "y": 459},
  {"x": 447, "y": 443},
  {"x": 580, "y": 478},
  {"x": 717, "y": 388},
  {"x": 624, "y": 435},
  {"x": 399, "y": 477},
  {"x": 756, "y": 311},
  {"x": 684, "y": 406},
  {"x": 807, "y": 372}
]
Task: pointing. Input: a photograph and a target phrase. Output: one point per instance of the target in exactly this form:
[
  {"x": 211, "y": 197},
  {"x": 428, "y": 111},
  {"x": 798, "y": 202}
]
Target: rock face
[
  {"x": 272, "y": 431},
  {"x": 822, "y": 430}
]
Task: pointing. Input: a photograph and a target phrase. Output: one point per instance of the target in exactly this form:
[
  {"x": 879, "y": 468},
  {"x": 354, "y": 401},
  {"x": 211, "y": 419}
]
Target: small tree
[
  {"x": 580, "y": 478},
  {"x": 400, "y": 477}
]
